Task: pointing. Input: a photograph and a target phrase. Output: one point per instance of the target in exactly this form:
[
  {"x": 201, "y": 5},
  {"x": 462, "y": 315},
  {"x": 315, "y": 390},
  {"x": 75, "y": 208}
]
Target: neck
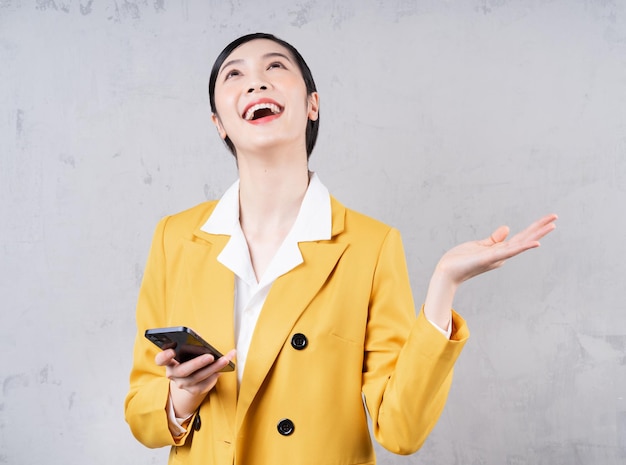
[{"x": 271, "y": 190}]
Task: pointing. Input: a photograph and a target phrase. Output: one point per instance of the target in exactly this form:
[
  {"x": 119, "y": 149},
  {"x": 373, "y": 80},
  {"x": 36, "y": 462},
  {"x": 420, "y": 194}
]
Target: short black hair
[{"x": 312, "y": 126}]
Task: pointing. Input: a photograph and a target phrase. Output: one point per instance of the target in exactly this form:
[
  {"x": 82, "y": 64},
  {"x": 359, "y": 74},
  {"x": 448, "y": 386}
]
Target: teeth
[{"x": 260, "y": 106}]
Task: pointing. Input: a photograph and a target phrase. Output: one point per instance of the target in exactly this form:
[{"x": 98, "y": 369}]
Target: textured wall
[{"x": 442, "y": 118}]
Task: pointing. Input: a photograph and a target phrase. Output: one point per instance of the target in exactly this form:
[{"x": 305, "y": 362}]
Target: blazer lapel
[
  {"x": 211, "y": 291},
  {"x": 288, "y": 298}
]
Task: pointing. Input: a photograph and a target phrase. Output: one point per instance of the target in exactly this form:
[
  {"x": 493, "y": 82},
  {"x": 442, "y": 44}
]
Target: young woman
[{"x": 314, "y": 297}]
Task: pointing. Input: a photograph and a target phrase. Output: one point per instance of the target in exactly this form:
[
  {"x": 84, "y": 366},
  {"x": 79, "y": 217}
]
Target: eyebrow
[{"x": 266, "y": 56}]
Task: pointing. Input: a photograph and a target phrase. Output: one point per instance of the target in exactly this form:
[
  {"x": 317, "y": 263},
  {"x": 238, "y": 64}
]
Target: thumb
[{"x": 499, "y": 235}]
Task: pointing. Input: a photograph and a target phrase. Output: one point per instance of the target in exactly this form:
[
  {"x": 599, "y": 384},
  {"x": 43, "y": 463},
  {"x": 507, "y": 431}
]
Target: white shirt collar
[{"x": 313, "y": 223}]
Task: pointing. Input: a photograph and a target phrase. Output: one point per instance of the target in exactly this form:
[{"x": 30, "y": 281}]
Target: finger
[
  {"x": 201, "y": 379},
  {"x": 542, "y": 226},
  {"x": 195, "y": 384},
  {"x": 201, "y": 367},
  {"x": 221, "y": 362},
  {"x": 550, "y": 218},
  {"x": 166, "y": 358},
  {"x": 537, "y": 230},
  {"x": 192, "y": 366},
  {"x": 527, "y": 240},
  {"x": 500, "y": 234},
  {"x": 230, "y": 355},
  {"x": 547, "y": 225}
]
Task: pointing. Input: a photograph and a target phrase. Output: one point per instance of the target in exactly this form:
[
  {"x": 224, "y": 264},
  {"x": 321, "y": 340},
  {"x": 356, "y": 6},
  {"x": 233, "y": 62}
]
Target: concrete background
[{"x": 442, "y": 118}]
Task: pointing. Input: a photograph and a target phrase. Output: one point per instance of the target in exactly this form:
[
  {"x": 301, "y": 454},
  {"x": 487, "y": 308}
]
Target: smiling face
[{"x": 261, "y": 100}]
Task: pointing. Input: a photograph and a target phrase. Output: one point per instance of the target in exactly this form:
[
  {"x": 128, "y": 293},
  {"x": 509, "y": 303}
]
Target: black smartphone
[{"x": 185, "y": 342}]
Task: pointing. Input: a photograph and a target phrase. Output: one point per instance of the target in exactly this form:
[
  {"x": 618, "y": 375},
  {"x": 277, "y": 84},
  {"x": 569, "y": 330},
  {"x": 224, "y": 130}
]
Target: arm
[
  {"x": 147, "y": 397},
  {"x": 406, "y": 379},
  {"x": 407, "y": 370},
  {"x": 157, "y": 381}
]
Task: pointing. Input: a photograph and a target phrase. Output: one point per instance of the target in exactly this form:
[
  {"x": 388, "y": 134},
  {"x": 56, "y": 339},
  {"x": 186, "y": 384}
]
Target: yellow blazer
[{"x": 350, "y": 301}]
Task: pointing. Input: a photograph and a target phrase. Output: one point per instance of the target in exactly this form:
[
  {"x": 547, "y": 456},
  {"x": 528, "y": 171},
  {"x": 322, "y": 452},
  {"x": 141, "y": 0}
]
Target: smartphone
[{"x": 185, "y": 342}]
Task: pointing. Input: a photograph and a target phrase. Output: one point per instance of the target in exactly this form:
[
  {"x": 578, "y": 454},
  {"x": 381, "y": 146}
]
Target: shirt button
[
  {"x": 299, "y": 341},
  {"x": 285, "y": 427},
  {"x": 197, "y": 423}
]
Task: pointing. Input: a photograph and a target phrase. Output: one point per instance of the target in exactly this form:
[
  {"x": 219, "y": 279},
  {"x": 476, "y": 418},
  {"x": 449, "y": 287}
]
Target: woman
[{"x": 314, "y": 297}]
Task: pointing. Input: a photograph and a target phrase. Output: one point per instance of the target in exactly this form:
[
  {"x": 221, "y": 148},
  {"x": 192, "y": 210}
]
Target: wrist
[
  {"x": 443, "y": 276},
  {"x": 442, "y": 285},
  {"x": 439, "y": 299},
  {"x": 184, "y": 403}
]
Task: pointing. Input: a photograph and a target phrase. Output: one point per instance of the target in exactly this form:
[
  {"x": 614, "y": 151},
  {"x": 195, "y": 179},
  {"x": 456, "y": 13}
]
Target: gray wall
[{"x": 444, "y": 119}]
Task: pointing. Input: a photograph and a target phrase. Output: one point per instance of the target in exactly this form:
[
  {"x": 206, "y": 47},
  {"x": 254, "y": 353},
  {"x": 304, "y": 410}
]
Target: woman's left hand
[
  {"x": 476, "y": 257},
  {"x": 472, "y": 258}
]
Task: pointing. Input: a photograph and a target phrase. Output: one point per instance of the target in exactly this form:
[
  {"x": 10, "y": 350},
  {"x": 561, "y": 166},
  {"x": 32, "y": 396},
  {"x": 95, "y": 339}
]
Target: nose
[{"x": 256, "y": 87}]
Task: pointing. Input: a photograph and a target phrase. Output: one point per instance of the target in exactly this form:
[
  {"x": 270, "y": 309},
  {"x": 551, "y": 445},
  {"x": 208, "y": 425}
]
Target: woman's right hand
[{"x": 192, "y": 380}]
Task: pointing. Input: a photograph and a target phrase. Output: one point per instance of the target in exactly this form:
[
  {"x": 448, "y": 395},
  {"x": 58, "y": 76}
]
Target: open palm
[{"x": 475, "y": 257}]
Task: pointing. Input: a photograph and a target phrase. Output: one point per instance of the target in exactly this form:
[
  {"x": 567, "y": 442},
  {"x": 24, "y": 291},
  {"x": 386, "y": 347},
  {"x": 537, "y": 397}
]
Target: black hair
[{"x": 312, "y": 126}]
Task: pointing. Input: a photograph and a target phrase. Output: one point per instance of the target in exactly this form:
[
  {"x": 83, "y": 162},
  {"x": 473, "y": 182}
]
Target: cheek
[
  {"x": 301, "y": 98},
  {"x": 227, "y": 113},
  {"x": 224, "y": 108},
  {"x": 225, "y": 100}
]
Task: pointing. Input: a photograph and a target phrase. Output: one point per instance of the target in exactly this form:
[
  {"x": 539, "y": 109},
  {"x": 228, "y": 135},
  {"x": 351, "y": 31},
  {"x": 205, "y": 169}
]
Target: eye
[
  {"x": 231, "y": 73},
  {"x": 276, "y": 64}
]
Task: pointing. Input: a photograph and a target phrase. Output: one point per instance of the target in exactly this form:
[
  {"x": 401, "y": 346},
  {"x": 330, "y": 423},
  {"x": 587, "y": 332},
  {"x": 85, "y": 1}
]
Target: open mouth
[{"x": 261, "y": 110}]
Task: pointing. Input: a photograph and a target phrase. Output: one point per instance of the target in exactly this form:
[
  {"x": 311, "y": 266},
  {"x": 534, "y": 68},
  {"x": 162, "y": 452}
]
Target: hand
[
  {"x": 470, "y": 259},
  {"x": 473, "y": 258},
  {"x": 191, "y": 381}
]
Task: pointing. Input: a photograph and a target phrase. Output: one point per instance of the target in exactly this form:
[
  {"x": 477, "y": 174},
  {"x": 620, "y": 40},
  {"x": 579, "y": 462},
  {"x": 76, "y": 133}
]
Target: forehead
[{"x": 257, "y": 49}]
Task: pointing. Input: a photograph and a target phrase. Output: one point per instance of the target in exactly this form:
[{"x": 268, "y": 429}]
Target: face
[{"x": 261, "y": 99}]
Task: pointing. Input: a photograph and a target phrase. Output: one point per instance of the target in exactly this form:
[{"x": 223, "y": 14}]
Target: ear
[
  {"x": 313, "y": 106},
  {"x": 218, "y": 124}
]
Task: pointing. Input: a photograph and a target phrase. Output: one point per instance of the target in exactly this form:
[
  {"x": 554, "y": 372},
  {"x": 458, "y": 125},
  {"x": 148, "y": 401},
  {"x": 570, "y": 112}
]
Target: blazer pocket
[{"x": 346, "y": 340}]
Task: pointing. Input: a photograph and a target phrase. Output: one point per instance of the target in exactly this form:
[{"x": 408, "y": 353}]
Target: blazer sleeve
[
  {"x": 145, "y": 405},
  {"x": 408, "y": 364}
]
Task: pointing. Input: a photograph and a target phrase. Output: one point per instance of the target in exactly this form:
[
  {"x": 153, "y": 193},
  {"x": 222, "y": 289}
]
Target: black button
[
  {"x": 285, "y": 427},
  {"x": 299, "y": 341},
  {"x": 197, "y": 423}
]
